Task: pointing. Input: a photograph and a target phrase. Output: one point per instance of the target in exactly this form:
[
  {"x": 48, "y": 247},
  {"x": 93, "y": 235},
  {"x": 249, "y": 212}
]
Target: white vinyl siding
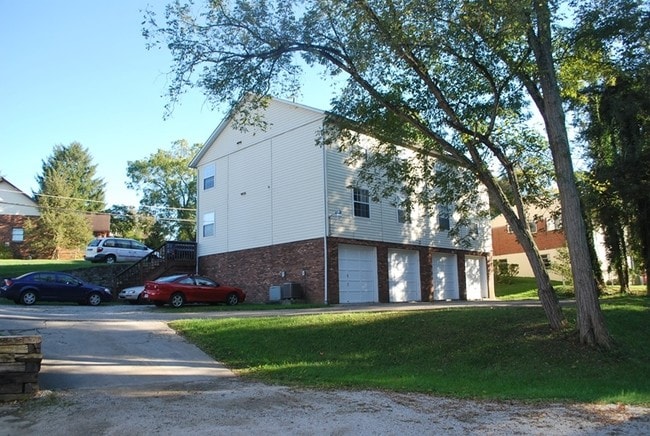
[
  {"x": 270, "y": 189},
  {"x": 269, "y": 184},
  {"x": 404, "y": 275}
]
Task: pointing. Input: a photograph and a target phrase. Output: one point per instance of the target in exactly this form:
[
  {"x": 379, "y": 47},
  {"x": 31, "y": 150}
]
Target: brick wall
[
  {"x": 256, "y": 270},
  {"x": 7, "y": 224},
  {"x": 506, "y": 243}
]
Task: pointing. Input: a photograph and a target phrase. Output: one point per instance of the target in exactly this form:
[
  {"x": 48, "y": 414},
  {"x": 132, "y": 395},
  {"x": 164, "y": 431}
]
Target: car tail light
[{"x": 8, "y": 282}]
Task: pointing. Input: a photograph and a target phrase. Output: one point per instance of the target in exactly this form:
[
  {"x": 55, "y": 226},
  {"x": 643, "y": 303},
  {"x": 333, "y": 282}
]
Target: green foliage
[
  {"x": 68, "y": 190},
  {"x": 5, "y": 252},
  {"x": 489, "y": 352},
  {"x": 504, "y": 272},
  {"x": 561, "y": 265},
  {"x": 126, "y": 222},
  {"x": 168, "y": 188}
]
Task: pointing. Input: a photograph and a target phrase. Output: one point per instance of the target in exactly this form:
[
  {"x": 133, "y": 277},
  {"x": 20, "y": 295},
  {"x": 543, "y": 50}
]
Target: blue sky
[{"x": 78, "y": 70}]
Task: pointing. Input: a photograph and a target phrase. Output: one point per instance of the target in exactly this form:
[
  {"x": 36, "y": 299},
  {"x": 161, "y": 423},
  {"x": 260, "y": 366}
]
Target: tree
[
  {"x": 444, "y": 78},
  {"x": 168, "y": 188},
  {"x": 127, "y": 222},
  {"x": 68, "y": 191},
  {"x": 616, "y": 121}
]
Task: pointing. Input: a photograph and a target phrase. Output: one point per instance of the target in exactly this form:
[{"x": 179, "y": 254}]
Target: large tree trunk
[
  {"x": 545, "y": 291},
  {"x": 591, "y": 323},
  {"x": 519, "y": 224}
]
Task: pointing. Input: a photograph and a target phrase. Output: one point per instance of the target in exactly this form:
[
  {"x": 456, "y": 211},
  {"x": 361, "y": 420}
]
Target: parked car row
[{"x": 175, "y": 290}]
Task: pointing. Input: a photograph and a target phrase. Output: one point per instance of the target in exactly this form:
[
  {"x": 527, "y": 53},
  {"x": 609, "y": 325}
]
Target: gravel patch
[{"x": 239, "y": 407}]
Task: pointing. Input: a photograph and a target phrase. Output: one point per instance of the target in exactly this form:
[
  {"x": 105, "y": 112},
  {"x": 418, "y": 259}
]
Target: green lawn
[
  {"x": 497, "y": 353},
  {"x": 10, "y": 268}
]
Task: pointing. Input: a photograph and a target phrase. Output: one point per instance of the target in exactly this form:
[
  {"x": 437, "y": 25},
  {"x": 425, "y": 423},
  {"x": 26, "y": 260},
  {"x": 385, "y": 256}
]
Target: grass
[
  {"x": 525, "y": 288},
  {"x": 496, "y": 353},
  {"x": 10, "y": 268}
]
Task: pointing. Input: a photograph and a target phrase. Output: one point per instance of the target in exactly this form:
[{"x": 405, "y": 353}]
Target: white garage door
[
  {"x": 445, "y": 277},
  {"x": 476, "y": 277},
  {"x": 404, "y": 275},
  {"x": 357, "y": 274}
]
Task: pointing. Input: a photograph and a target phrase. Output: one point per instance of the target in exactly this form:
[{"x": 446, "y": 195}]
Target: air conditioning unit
[
  {"x": 291, "y": 291},
  {"x": 275, "y": 293}
]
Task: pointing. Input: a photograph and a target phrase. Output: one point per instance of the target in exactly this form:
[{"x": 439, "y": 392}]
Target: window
[
  {"x": 547, "y": 261},
  {"x": 554, "y": 223},
  {"x": 208, "y": 176},
  {"x": 402, "y": 216},
  {"x": 361, "y": 203},
  {"x": 208, "y": 224},
  {"x": 532, "y": 225},
  {"x": 17, "y": 234},
  {"x": 444, "y": 222}
]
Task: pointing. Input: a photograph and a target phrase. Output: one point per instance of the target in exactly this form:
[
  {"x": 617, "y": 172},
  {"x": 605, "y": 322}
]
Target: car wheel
[
  {"x": 28, "y": 298},
  {"x": 110, "y": 259},
  {"x": 94, "y": 299},
  {"x": 177, "y": 300},
  {"x": 232, "y": 299}
]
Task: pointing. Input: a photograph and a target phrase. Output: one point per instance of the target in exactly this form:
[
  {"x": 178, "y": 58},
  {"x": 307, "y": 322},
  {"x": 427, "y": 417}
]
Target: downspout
[
  {"x": 326, "y": 226},
  {"x": 196, "y": 221}
]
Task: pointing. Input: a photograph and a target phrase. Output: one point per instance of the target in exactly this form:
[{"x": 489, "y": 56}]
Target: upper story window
[
  {"x": 444, "y": 223},
  {"x": 361, "y": 203},
  {"x": 208, "y": 176},
  {"x": 402, "y": 216},
  {"x": 554, "y": 223},
  {"x": 208, "y": 224}
]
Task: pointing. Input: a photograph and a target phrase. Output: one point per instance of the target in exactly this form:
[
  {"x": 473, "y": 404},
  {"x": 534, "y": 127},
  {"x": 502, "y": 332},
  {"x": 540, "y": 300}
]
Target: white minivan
[{"x": 111, "y": 250}]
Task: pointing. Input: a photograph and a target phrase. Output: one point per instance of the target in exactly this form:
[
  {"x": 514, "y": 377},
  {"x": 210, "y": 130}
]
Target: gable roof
[
  {"x": 231, "y": 116},
  {"x": 13, "y": 201}
]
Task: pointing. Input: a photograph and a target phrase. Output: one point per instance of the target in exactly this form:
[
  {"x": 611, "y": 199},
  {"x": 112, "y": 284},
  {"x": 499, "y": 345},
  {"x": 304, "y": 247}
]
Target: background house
[
  {"x": 549, "y": 237},
  {"x": 275, "y": 208},
  {"x": 15, "y": 208}
]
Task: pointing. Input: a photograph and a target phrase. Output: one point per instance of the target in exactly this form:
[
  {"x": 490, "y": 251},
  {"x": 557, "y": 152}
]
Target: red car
[{"x": 187, "y": 288}]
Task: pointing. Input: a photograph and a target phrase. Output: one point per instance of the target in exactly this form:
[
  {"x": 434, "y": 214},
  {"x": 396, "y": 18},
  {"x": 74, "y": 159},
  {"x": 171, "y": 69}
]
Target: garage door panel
[
  {"x": 404, "y": 275},
  {"x": 445, "y": 277},
  {"x": 357, "y": 274},
  {"x": 476, "y": 277}
]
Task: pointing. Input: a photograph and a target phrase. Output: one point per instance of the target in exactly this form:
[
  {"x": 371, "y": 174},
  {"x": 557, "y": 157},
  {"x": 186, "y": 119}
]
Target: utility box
[
  {"x": 275, "y": 293},
  {"x": 291, "y": 290}
]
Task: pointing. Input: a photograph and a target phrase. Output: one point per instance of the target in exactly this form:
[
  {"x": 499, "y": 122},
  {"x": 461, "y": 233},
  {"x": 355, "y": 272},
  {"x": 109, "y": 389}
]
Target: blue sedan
[{"x": 53, "y": 286}]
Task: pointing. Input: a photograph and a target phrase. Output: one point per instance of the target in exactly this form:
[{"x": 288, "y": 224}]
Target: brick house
[
  {"x": 16, "y": 208},
  {"x": 276, "y": 210},
  {"x": 549, "y": 237}
]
